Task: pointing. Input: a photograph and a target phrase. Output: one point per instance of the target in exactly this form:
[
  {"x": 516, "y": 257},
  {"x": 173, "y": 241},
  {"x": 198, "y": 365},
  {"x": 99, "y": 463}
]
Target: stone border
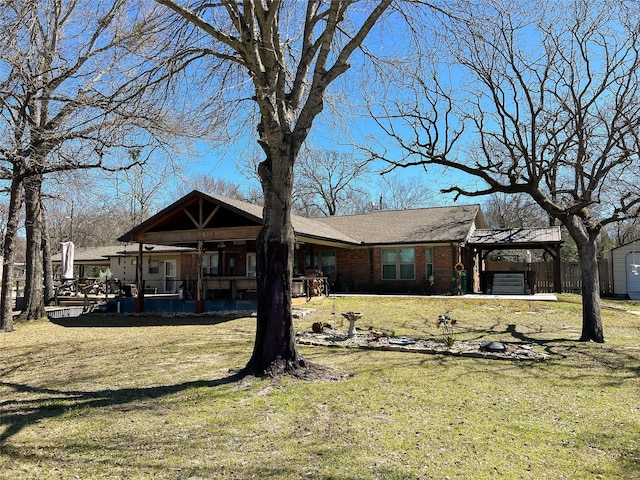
[{"x": 337, "y": 339}]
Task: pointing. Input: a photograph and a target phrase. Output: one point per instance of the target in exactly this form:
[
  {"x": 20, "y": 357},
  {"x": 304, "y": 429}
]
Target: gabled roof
[
  {"x": 627, "y": 245},
  {"x": 516, "y": 236},
  {"x": 308, "y": 227},
  {"x": 435, "y": 224},
  {"x": 92, "y": 254},
  {"x": 424, "y": 225},
  {"x": 421, "y": 225}
]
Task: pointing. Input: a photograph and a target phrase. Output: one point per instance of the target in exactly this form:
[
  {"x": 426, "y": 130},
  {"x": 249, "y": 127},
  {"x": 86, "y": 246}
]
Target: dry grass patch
[{"x": 160, "y": 401}]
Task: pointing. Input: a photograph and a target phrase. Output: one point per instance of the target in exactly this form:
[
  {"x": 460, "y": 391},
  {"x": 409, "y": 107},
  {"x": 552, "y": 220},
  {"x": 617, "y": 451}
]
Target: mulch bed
[{"x": 338, "y": 339}]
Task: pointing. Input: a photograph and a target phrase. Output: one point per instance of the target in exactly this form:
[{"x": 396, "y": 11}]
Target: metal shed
[{"x": 625, "y": 266}]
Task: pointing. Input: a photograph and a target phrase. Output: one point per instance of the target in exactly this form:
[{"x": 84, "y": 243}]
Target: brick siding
[{"x": 360, "y": 270}]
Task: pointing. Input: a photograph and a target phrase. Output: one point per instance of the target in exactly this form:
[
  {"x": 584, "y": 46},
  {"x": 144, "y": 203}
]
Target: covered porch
[{"x": 517, "y": 277}]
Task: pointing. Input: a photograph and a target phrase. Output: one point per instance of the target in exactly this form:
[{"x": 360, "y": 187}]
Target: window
[
  {"x": 154, "y": 266},
  {"x": 251, "y": 265},
  {"x": 210, "y": 264},
  {"x": 328, "y": 263},
  {"x": 232, "y": 260},
  {"x": 398, "y": 263},
  {"x": 325, "y": 261},
  {"x": 429, "y": 258}
]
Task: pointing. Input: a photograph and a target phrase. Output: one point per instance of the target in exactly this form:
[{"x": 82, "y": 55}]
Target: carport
[{"x": 484, "y": 241}]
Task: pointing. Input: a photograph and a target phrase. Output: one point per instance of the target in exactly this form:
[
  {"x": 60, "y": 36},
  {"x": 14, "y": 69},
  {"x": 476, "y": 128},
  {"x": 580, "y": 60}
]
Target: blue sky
[
  {"x": 331, "y": 133},
  {"x": 225, "y": 161}
]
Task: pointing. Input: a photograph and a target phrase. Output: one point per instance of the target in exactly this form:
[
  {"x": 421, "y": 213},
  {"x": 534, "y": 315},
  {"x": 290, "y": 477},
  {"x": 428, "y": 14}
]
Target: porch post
[
  {"x": 139, "y": 301},
  {"x": 199, "y": 281},
  {"x": 478, "y": 271},
  {"x": 557, "y": 273}
]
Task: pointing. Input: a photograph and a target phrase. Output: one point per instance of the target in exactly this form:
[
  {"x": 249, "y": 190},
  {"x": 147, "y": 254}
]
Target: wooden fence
[{"x": 569, "y": 274}]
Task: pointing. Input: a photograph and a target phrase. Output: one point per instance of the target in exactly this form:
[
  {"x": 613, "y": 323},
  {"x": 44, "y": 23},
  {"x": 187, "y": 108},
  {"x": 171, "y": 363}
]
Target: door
[
  {"x": 251, "y": 264},
  {"x": 170, "y": 276},
  {"x": 633, "y": 275}
]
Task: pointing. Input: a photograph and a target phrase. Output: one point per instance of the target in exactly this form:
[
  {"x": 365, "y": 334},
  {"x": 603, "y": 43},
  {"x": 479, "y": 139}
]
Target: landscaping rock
[
  {"x": 493, "y": 347},
  {"x": 335, "y": 338}
]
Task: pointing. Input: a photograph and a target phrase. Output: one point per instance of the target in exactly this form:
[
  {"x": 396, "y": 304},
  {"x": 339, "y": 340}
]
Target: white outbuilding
[{"x": 625, "y": 270}]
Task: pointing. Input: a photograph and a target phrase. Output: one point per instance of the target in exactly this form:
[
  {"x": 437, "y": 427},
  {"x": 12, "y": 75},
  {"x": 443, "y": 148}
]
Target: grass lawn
[{"x": 160, "y": 402}]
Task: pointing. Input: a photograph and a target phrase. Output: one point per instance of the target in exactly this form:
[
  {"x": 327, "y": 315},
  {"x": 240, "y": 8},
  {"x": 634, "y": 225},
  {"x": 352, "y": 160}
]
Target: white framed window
[
  {"x": 428, "y": 254},
  {"x": 398, "y": 263},
  {"x": 210, "y": 263},
  {"x": 170, "y": 276},
  {"x": 170, "y": 268},
  {"x": 154, "y": 266},
  {"x": 251, "y": 264}
]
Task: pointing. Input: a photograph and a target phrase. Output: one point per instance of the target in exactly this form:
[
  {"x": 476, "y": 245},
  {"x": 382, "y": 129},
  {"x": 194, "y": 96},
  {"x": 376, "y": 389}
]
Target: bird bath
[{"x": 352, "y": 317}]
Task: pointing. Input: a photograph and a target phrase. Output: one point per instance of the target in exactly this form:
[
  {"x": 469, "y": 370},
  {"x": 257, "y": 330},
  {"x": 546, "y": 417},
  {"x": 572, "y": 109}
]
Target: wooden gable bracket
[{"x": 200, "y": 224}]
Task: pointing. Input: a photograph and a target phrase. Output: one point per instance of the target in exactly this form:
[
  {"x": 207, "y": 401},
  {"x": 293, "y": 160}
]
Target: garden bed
[{"x": 370, "y": 341}]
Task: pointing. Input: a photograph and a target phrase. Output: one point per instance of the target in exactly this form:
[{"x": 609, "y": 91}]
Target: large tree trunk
[
  {"x": 8, "y": 252},
  {"x": 590, "y": 276},
  {"x": 587, "y": 243},
  {"x": 34, "y": 288},
  {"x": 275, "y": 345}
]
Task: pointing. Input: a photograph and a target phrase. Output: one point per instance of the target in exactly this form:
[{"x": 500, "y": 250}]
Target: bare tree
[
  {"x": 326, "y": 181},
  {"x": 139, "y": 188},
  {"x": 626, "y": 232},
  {"x": 552, "y": 96},
  {"x": 399, "y": 192},
  {"x": 513, "y": 211},
  {"x": 75, "y": 93},
  {"x": 289, "y": 52},
  {"x": 210, "y": 184},
  {"x": 87, "y": 218}
]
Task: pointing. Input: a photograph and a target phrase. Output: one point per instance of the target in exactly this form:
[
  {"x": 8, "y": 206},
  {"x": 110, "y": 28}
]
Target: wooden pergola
[
  {"x": 484, "y": 241},
  {"x": 194, "y": 221}
]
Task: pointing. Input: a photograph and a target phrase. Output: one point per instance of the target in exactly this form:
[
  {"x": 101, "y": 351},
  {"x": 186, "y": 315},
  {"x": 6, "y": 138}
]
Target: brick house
[{"x": 388, "y": 251}]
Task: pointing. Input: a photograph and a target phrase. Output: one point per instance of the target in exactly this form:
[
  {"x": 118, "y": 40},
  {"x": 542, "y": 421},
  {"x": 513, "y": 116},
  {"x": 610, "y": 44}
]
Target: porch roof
[
  {"x": 101, "y": 255},
  {"x": 421, "y": 225},
  {"x": 179, "y": 223},
  {"x": 198, "y": 211},
  {"x": 92, "y": 255},
  {"x": 308, "y": 227},
  {"x": 516, "y": 237}
]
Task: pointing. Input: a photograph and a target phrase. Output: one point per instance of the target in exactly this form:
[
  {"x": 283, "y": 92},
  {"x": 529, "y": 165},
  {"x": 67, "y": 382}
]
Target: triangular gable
[
  {"x": 197, "y": 211},
  {"x": 631, "y": 244},
  {"x": 229, "y": 218},
  {"x": 213, "y": 218}
]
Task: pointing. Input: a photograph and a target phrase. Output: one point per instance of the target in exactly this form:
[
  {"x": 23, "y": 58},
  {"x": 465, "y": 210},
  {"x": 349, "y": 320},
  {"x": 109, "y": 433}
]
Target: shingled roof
[
  {"x": 436, "y": 224},
  {"x": 308, "y": 227},
  {"x": 101, "y": 255},
  {"x": 92, "y": 254},
  {"x": 516, "y": 236},
  {"x": 423, "y": 225}
]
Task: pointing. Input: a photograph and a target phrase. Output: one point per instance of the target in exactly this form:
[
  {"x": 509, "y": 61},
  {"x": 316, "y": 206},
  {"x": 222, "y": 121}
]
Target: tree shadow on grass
[
  {"x": 548, "y": 344},
  {"x": 52, "y": 403},
  {"x": 615, "y": 359},
  {"x": 148, "y": 320}
]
